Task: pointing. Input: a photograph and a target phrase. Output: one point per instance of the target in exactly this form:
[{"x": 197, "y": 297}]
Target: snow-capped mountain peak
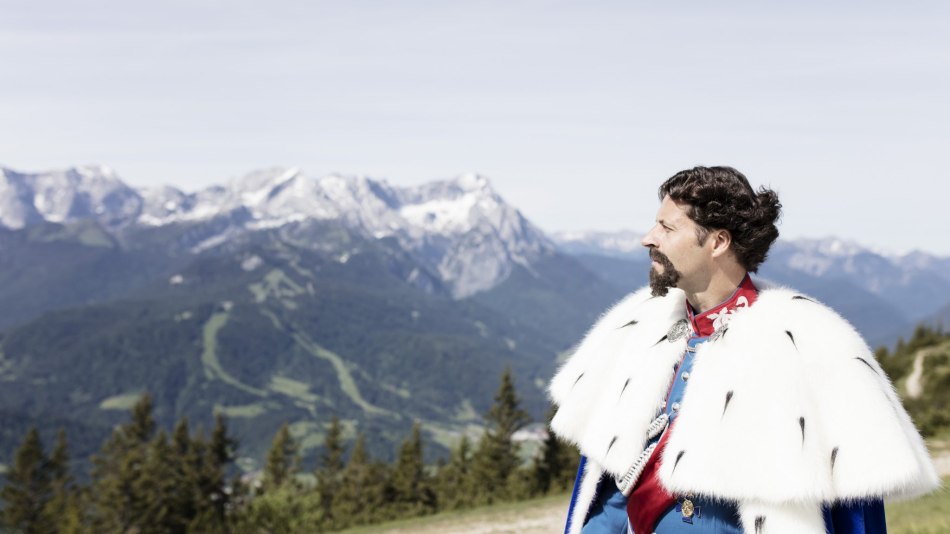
[
  {"x": 472, "y": 182},
  {"x": 255, "y": 188},
  {"x": 458, "y": 227},
  {"x": 89, "y": 191},
  {"x": 621, "y": 243}
]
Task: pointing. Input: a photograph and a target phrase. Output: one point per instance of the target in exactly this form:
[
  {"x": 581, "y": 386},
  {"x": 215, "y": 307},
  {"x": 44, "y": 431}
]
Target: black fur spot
[
  {"x": 614, "y": 440},
  {"x": 631, "y": 323},
  {"x": 679, "y": 456},
  {"x": 790, "y": 336},
  {"x": 719, "y": 334},
  {"x": 728, "y": 399},
  {"x": 865, "y": 362},
  {"x": 625, "y": 384},
  {"x": 577, "y": 379},
  {"x": 799, "y": 297},
  {"x": 834, "y": 457},
  {"x": 801, "y": 423},
  {"x": 662, "y": 339},
  {"x": 759, "y": 524}
]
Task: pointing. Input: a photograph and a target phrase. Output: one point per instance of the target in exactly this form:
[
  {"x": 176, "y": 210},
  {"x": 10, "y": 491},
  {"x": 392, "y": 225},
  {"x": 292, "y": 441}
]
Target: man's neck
[{"x": 716, "y": 291}]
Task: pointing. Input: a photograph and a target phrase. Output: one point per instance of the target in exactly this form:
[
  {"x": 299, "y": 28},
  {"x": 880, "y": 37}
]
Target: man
[{"x": 710, "y": 402}]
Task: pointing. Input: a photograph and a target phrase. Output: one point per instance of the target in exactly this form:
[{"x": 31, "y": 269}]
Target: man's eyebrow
[{"x": 664, "y": 223}]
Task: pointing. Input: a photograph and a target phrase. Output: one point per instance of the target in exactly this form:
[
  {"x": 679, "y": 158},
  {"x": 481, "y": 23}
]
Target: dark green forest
[{"x": 145, "y": 479}]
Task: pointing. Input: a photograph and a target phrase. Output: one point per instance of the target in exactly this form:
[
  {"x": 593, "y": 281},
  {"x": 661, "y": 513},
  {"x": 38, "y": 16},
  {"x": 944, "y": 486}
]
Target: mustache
[{"x": 659, "y": 257}]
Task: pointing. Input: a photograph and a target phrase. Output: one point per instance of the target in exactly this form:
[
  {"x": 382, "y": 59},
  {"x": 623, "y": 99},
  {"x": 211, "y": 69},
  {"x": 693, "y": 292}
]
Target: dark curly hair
[{"x": 721, "y": 198}]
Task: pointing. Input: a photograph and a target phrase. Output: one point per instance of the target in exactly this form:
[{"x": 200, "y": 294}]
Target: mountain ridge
[
  {"x": 461, "y": 228},
  {"x": 277, "y": 296}
]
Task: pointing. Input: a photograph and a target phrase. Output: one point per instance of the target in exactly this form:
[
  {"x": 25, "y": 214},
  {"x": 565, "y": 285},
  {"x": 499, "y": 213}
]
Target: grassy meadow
[{"x": 927, "y": 515}]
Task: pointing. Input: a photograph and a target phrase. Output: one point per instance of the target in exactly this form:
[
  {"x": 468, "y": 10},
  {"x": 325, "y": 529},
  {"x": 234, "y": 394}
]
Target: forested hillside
[{"x": 150, "y": 479}]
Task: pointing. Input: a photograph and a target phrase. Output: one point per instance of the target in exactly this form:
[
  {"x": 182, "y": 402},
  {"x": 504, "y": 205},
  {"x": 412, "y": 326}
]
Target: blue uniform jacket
[{"x": 854, "y": 518}]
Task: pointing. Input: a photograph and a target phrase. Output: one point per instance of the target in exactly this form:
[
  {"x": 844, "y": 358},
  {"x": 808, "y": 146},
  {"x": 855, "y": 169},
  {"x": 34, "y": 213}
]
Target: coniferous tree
[
  {"x": 59, "y": 471},
  {"x": 222, "y": 445},
  {"x": 363, "y": 489},
  {"x": 215, "y": 456},
  {"x": 331, "y": 460},
  {"x": 71, "y": 518},
  {"x": 117, "y": 502},
  {"x": 330, "y": 468},
  {"x": 185, "y": 473},
  {"x": 496, "y": 460},
  {"x": 555, "y": 466},
  {"x": 454, "y": 480},
  {"x": 28, "y": 489},
  {"x": 413, "y": 491},
  {"x": 142, "y": 427},
  {"x": 283, "y": 460},
  {"x": 156, "y": 490},
  {"x": 64, "y": 509}
]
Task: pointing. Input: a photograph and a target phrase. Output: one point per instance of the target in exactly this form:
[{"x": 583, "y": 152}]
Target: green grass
[
  {"x": 273, "y": 318},
  {"x": 311, "y": 435},
  {"x": 246, "y": 411},
  {"x": 209, "y": 356},
  {"x": 347, "y": 384},
  {"x": 535, "y": 515},
  {"x": 466, "y": 412},
  {"x": 292, "y": 388},
  {"x": 401, "y": 392},
  {"x": 927, "y": 515},
  {"x": 123, "y": 402},
  {"x": 85, "y": 233},
  {"x": 94, "y": 237},
  {"x": 308, "y": 434},
  {"x": 449, "y": 435},
  {"x": 276, "y": 284}
]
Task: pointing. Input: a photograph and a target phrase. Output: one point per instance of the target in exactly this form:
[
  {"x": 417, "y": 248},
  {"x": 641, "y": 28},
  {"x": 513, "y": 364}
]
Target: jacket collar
[{"x": 704, "y": 324}]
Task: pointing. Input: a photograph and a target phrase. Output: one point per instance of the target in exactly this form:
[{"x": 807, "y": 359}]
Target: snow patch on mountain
[
  {"x": 622, "y": 243},
  {"x": 459, "y": 227},
  {"x": 916, "y": 282},
  {"x": 86, "y": 192}
]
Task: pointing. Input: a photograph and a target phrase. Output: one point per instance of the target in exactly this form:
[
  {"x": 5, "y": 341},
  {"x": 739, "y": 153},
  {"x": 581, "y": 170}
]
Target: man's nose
[{"x": 648, "y": 240}]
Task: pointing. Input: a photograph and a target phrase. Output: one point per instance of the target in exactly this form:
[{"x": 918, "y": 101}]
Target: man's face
[{"x": 678, "y": 258}]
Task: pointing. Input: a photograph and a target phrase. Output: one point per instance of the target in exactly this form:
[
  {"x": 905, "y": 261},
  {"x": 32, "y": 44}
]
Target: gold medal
[{"x": 687, "y": 508}]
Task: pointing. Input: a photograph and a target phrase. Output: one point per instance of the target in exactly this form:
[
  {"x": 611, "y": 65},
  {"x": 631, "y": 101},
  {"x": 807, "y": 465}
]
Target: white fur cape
[{"x": 786, "y": 410}]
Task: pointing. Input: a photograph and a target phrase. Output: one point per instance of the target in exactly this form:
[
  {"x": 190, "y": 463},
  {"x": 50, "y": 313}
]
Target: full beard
[{"x": 660, "y": 283}]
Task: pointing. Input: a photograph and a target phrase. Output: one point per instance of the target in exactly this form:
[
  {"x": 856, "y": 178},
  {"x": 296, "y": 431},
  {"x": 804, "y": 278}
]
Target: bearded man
[{"x": 712, "y": 402}]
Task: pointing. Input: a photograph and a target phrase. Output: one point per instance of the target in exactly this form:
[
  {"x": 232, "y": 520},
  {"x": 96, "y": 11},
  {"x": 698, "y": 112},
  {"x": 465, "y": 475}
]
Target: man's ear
[{"x": 721, "y": 242}]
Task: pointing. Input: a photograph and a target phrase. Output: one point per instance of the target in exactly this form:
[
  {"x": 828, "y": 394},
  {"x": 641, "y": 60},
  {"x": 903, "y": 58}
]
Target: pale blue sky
[{"x": 576, "y": 111}]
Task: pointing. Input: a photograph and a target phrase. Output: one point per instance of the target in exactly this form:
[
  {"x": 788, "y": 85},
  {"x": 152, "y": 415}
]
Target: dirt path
[
  {"x": 542, "y": 516},
  {"x": 914, "y": 388},
  {"x": 940, "y": 452},
  {"x": 942, "y": 462}
]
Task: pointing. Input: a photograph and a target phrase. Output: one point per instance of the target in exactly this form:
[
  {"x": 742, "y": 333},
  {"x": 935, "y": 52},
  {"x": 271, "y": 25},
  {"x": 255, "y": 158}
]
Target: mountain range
[{"x": 281, "y": 297}]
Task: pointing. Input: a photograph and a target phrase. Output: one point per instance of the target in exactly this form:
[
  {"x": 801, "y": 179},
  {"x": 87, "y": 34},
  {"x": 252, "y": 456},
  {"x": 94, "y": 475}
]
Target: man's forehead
[{"x": 671, "y": 211}]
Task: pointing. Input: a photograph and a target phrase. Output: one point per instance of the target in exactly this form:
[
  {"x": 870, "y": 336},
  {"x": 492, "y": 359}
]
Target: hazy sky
[{"x": 576, "y": 111}]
